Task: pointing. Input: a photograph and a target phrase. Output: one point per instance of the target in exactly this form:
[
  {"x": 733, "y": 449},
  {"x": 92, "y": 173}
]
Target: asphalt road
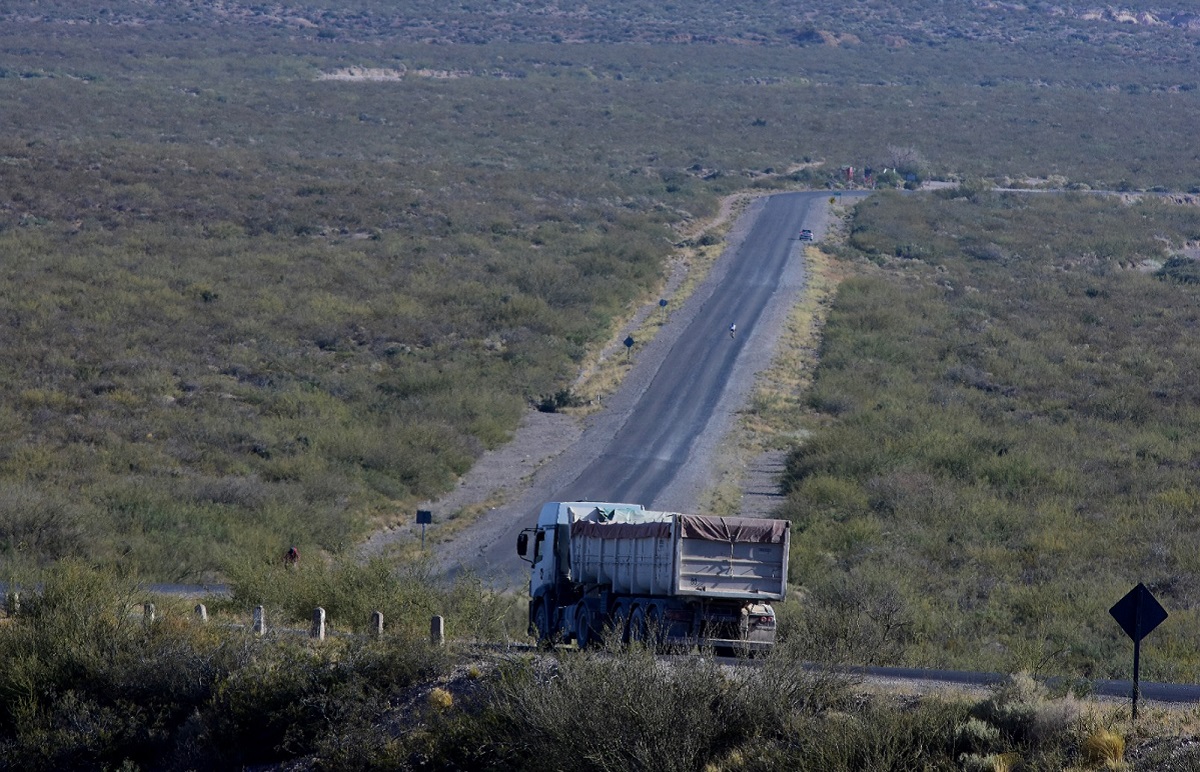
[
  {"x": 657, "y": 439},
  {"x": 652, "y": 444},
  {"x": 1151, "y": 691}
]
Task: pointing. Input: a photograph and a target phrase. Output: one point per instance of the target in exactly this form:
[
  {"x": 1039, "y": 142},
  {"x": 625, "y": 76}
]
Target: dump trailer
[{"x": 602, "y": 571}]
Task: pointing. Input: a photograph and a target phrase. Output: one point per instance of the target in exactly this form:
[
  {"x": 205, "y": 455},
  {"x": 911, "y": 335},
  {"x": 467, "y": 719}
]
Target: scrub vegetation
[
  {"x": 90, "y": 682},
  {"x": 1004, "y": 434},
  {"x": 273, "y": 274}
]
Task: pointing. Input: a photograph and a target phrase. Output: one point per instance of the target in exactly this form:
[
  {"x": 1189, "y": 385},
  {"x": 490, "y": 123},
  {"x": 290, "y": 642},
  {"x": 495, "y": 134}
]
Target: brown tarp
[
  {"x": 733, "y": 529},
  {"x": 659, "y": 530}
]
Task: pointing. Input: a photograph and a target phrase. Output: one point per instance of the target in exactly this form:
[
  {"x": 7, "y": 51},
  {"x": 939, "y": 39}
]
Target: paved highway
[
  {"x": 652, "y": 443},
  {"x": 655, "y": 442}
]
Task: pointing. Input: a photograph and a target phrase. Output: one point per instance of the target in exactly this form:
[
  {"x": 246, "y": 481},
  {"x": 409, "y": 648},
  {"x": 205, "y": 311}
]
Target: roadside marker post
[{"x": 1138, "y": 613}]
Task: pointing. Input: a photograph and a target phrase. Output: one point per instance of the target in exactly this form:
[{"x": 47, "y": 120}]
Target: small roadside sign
[
  {"x": 628, "y": 346},
  {"x": 424, "y": 518},
  {"x": 1138, "y": 613}
]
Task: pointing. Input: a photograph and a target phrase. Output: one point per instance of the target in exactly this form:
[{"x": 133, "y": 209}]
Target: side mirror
[{"x": 522, "y": 544}]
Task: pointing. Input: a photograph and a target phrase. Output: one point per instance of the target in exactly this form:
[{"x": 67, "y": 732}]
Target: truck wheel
[
  {"x": 541, "y": 622},
  {"x": 655, "y": 632},
  {"x": 617, "y": 625},
  {"x": 585, "y": 632},
  {"x": 637, "y": 625}
]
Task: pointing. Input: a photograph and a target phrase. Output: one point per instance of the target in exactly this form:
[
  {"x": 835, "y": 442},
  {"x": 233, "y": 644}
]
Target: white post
[
  {"x": 260, "y": 621},
  {"x": 201, "y": 612},
  {"x": 377, "y": 624},
  {"x": 148, "y": 613},
  {"x": 318, "y": 624},
  {"x": 437, "y": 631}
]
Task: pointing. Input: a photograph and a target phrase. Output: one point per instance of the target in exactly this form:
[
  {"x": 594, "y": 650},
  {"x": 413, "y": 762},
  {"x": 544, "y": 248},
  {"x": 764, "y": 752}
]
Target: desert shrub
[
  {"x": 788, "y": 685},
  {"x": 38, "y": 522},
  {"x": 993, "y": 762},
  {"x": 655, "y": 715},
  {"x": 1022, "y": 709},
  {"x": 855, "y": 618},
  {"x": 875, "y": 735},
  {"x": 655, "y": 718},
  {"x": 293, "y": 699},
  {"x": 990, "y": 436},
  {"x": 558, "y": 400},
  {"x": 977, "y": 736},
  {"x": 88, "y": 682},
  {"x": 1184, "y": 270}
]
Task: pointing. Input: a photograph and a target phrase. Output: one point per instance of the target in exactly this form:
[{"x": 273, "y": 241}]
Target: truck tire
[
  {"x": 586, "y": 634},
  {"x": 541, "y": 623},
  {"x": 656, "y": 633},
  {"x": 618, "y": 626},
  {"x": 637, "y": 625}
]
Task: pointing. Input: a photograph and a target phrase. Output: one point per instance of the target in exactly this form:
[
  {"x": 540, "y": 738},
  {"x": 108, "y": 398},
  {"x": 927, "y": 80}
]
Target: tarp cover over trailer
[
  {"x": 663, "y": 553},
  {"x": 732, "y": 557}
]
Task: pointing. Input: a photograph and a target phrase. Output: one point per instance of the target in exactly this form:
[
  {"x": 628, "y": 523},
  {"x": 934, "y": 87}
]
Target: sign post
[
  {"x": 663, "y": 305},
  {"x": 424, "y": 517},
  {"x": 628, "y": 348},
  {"x": 1138, "y": 613}
]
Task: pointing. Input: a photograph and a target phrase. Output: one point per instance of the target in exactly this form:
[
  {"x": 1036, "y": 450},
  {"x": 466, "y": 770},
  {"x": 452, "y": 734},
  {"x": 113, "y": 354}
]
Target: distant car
[{"x": 806, "y": 235}]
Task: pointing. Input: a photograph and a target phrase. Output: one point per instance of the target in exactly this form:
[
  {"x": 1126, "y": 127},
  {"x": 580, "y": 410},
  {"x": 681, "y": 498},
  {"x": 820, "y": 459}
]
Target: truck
[{"x": 611, "y": 571}]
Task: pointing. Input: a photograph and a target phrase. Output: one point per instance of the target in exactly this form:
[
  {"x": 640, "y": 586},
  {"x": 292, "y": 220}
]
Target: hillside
[
  {"x": 274, "y": 274},
  {"x": 250, "y": 306}
]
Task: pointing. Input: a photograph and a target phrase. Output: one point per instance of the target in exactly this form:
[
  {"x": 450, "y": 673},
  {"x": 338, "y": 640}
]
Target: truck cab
[{"x": 547, "y": 547}]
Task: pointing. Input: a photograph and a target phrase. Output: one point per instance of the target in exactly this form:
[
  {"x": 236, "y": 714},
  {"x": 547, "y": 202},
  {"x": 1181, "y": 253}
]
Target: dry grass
[
  {"x": 1104, "y": 748},
  {"x": 440, "y": 699}
]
